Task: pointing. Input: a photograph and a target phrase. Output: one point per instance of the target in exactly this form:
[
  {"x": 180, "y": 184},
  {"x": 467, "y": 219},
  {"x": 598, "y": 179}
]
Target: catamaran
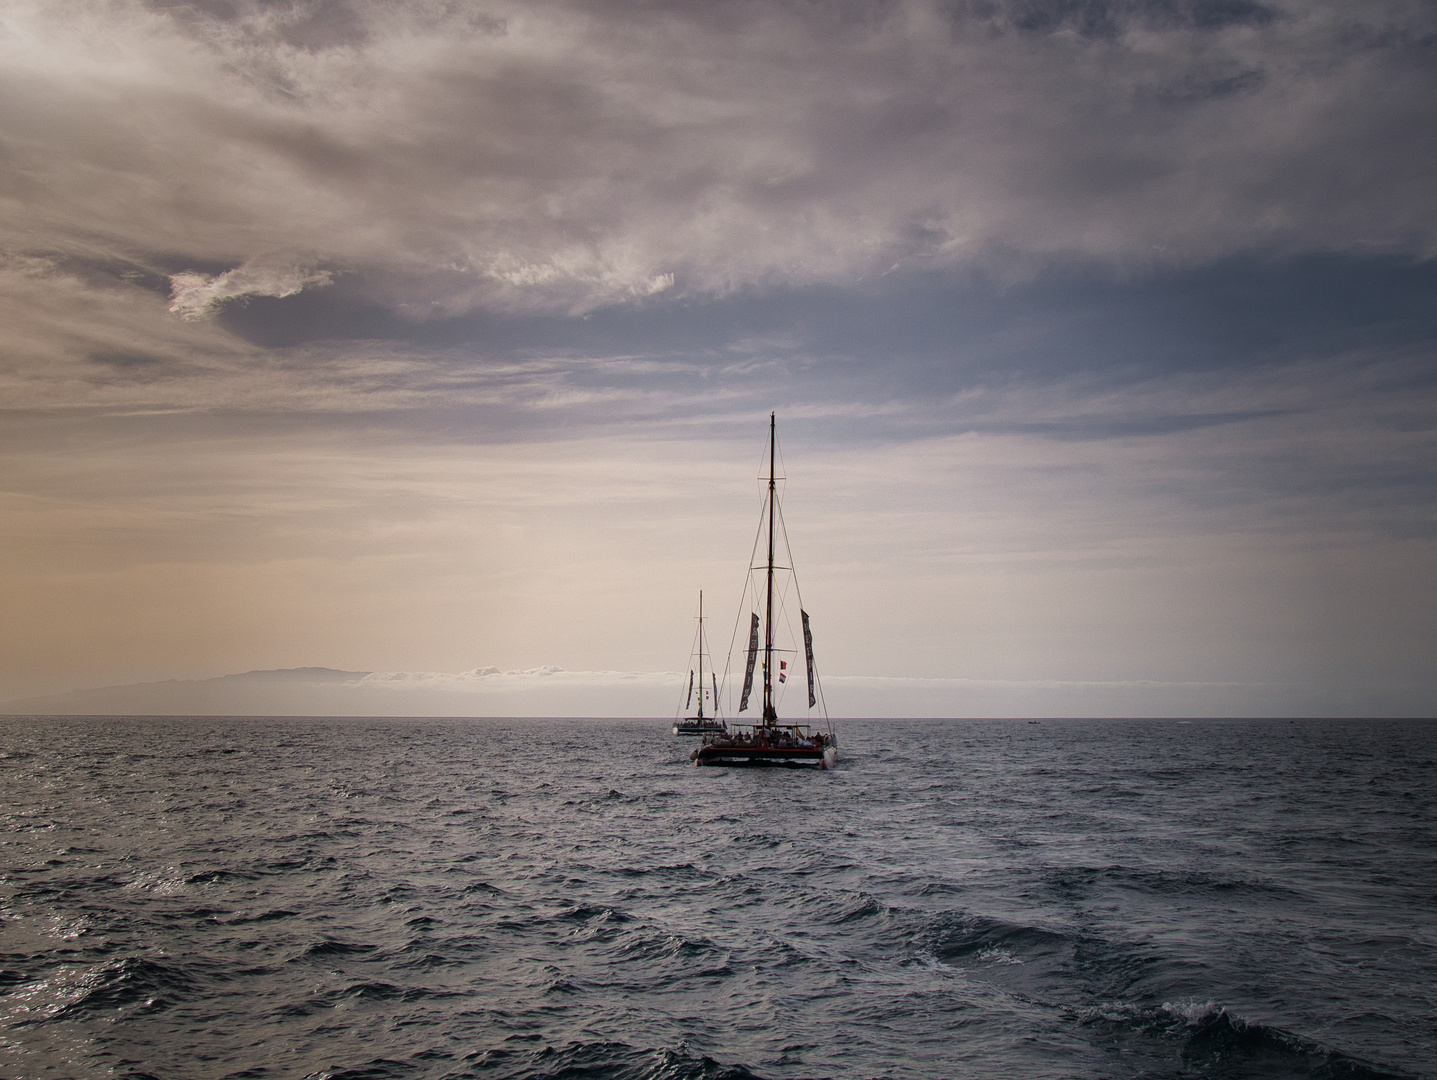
[
  {"x": 769, "y": 741},
  {"x": 699, "y": 724}
]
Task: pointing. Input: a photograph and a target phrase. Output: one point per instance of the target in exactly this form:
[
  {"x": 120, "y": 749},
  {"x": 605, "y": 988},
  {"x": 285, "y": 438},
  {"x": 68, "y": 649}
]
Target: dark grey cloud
[
  {"x": 1111, "y": 18},
  {"x": 931, "y": 330},
  {"x": 446, "y": 157}
]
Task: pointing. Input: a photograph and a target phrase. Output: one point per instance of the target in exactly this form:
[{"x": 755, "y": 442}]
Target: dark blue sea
[{"x": 192, "y": 899}]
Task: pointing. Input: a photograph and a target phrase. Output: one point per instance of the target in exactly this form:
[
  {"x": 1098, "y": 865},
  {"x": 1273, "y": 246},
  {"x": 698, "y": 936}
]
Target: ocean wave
[
  {"x": 855, "y": 907},
  {"x": 271, "y": 915},
  {"x": 374, "y": 1069},
  {"x": 956, "y": 936},
  {"x": 1224, "y": 1046},
  {"x": 595, "y": 1061},
  {"x": 1058, "y": 965},
  {"x": 589, "y": 913},
  {"x": 1083, "y": 880},
  {"x": 384, "y": 991},
  {"x": 131, "y": 983},
  {"x": 329, "y": 948}
]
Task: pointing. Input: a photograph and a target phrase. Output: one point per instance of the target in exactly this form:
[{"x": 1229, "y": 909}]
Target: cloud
[
  {"x": 194, "y": 295},
  {"x": 567, "y": 155},
  {"x": 496, "y": 290}
]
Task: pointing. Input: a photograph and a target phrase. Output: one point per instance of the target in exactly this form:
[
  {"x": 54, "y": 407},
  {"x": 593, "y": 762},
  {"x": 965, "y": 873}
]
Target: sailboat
[
  {"x": 768, "y": 740},
  {"x": 699, "y": 724}
]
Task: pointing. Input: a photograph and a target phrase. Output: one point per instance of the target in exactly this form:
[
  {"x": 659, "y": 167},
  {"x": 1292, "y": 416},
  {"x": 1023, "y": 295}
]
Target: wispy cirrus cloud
[{"x": 194, "y": 295}]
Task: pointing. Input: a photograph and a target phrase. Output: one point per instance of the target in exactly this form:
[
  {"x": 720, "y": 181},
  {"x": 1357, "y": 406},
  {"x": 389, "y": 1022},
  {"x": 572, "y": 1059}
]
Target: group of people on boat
[{"x": 761, "y": 738}]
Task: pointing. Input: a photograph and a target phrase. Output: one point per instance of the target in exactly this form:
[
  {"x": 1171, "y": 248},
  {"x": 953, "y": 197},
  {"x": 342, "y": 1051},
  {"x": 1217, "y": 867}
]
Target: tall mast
[
  {"x": 769, "y": 715},
  {"x": 701, "y": 655}
]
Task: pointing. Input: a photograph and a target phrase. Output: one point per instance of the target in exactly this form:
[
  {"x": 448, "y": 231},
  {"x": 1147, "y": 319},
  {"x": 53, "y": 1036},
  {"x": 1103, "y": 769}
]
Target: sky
[{"x": 436, "y": 340}]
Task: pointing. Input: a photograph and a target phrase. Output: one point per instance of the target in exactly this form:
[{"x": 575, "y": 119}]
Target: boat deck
[
  {"x": 790, "y": 746},
  {"x": 699, "y": 727}
]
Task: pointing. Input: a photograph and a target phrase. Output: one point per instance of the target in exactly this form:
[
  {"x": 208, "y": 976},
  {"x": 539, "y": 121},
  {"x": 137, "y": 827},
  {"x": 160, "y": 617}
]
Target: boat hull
[
  {"x": 687, "y": 728},
  {"x": 755, "y": 755}
]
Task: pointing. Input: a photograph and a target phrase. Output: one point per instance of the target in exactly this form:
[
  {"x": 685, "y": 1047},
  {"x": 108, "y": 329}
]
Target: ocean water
[{"x": 188, "y": 899}]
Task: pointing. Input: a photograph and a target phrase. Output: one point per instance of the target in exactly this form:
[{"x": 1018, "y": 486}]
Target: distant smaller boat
[{"x": 699, "y": 724}]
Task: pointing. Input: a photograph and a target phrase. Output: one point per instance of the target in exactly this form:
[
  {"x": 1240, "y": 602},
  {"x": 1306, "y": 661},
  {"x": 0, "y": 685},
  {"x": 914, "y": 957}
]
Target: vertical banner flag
[
  {"x": 715, "y": 692},
  {"x": 808, "y": 650},
  {"x": 691, "y": 690},
  {"x": 752, "y": 656}
]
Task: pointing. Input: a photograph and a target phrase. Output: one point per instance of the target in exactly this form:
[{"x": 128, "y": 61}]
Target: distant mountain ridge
[
  {"x": 186, "y": 696},
  {"x": 322, "y": 691},
  {"x": 554, "y": 691},
  {"x": 293, "y": 674}
]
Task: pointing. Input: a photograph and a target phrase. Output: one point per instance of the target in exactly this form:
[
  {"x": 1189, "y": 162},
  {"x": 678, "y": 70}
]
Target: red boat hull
[{"x": 755, "y": 755}]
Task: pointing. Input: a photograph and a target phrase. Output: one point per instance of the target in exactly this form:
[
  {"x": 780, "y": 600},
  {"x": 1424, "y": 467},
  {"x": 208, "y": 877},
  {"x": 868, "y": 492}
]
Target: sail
[
  {"x": 808, "y": 650},
  {"x": 752, "y": 656},
  {"x": 691, "y": 689}
]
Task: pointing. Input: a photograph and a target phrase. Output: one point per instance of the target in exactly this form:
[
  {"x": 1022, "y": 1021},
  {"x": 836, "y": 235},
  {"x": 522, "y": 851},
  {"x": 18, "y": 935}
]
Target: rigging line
[
  {"x": 798, "y": 594},
  {"x": 782, "y": 473},
  {"x": 743, "y": 597},
  {"x": 788, "y": 624},
  {"x": 797, "y": 636},
  {"x": 717, "y": 711},
  {"x": 783, "y": 526},
  {"x": 784, "y": 616},
  {"x": 793, "y": 573},
  {"x": 697, "y": 646},
  {"x": 728, "y": 659}
]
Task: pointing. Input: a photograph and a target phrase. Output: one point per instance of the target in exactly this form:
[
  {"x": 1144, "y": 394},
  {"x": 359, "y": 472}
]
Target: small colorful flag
[{"x": 783, "y": 671}]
